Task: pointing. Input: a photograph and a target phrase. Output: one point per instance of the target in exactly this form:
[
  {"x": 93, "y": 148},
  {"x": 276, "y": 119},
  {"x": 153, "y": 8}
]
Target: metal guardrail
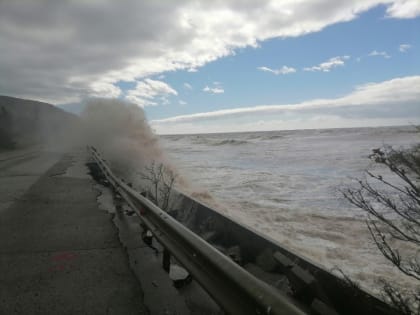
[{"x": 232, "y": 287}]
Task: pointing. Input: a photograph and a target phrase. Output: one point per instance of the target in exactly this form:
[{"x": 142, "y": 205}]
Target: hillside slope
[{"x": 27, "y": 122}]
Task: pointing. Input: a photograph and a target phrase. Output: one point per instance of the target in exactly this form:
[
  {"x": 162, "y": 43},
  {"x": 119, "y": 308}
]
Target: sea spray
[{"x": 120, "y": 131}]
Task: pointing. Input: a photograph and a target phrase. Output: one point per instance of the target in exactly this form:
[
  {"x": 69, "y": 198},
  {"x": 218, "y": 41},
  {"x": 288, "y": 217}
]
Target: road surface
[
  {"x": 59, "y": 254},
  {"x": 64, "y": 250}
]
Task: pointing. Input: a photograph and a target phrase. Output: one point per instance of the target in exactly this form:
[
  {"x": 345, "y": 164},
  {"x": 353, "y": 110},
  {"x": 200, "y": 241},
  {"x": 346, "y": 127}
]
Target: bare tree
[
  {"x": 393, "y": 207},
  {"x": 160, "y": 181}
]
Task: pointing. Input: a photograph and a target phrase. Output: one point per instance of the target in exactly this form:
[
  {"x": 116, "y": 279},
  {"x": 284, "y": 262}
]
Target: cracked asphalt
[{"x": 59, "y": 253}]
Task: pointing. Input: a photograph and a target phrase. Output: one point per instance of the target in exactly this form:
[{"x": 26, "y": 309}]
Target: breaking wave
[{"x": 120, "y": 131}]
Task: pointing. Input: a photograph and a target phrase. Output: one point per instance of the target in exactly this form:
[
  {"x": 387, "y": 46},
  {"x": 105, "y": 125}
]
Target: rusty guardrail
[{"x": 232, "y": 287}]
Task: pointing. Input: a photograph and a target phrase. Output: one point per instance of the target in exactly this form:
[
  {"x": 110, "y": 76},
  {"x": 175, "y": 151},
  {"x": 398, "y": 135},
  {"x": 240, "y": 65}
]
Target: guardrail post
[{"x": 166, "y": 260}]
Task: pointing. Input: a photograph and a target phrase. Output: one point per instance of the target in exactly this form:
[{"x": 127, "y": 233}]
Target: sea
[{"x": 287, "y": 185}]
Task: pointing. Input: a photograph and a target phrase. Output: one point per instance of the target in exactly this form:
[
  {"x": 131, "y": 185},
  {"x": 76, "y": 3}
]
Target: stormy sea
[{"x": 286, "y": 185}]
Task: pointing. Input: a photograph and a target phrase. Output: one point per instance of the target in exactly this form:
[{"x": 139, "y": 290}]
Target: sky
[{"x": 220, "y": 66}]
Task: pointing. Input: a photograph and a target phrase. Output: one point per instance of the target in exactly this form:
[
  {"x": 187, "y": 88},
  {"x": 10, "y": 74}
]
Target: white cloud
[
  {"x": 181, "y": 102},
  {"x": 104, "y": 89},
  {"x": 373, "y": 103},
  {"x": 329, "y": 64},
  {"x": 58, "y": 51},
  {"x": 282, "y": 70},
  {"x": 404, "y": 47},
  {"x": 376, "y": 53},
  {"x": 404, "y": 9},
  {"x": 213, "y": 90},
  {"x": 188, "y": 86},
  {"x": 146, "y": 92}
]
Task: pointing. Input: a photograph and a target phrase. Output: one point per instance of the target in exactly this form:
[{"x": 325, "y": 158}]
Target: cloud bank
[
  {"x": 62, "y": 51},
  {"x": 391, "y": 102}
]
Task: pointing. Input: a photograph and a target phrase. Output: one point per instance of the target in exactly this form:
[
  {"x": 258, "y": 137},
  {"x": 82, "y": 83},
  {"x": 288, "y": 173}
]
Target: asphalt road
[
  {"x": 59, "y": 253},
  {"x": 65, "y": 250}
]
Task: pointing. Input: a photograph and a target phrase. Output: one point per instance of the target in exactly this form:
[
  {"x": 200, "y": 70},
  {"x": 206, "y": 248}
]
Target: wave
[
  {"x": 210, "y": 141},
  {"x": 265, "y": 136},
  {"x": 172, "y": 138},
  {"x": 273, "y": 137},
  {"x": 230, "y": 142}
]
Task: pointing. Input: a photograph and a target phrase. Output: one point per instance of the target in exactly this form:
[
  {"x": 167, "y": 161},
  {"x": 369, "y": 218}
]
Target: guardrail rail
[{"x": 232, "y": 287}]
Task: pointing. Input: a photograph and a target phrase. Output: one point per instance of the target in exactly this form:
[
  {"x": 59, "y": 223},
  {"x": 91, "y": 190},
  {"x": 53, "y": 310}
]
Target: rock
[
  {"x": 303, "y": 283},
  {"x": 179, "y": 276},
  {"x": 177, "y": 273},
  {"x": 320, "y": 308},
  {"x": 234, "y": 252},
  {"x": 266, "y": 261},
  {"x": 209, "y": 236},
  {"x": 277, "y": 280},
  {"x": 285, "y": 262}
]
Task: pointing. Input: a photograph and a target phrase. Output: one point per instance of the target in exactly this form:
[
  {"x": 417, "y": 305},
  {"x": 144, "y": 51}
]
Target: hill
[{"x": 27, "y": 122}]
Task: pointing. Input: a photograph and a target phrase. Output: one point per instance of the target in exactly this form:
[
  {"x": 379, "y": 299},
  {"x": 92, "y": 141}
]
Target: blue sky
[
  {"x": 197, "y": 66},
  {"x": 245, "y": 85}
]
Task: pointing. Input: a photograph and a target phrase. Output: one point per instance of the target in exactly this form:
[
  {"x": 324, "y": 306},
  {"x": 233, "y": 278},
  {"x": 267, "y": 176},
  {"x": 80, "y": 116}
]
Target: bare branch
[
  {"x": 160, "y": 183},
  {"x": 393, "y": 208},
  {"x": 405, "y": 303}
]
